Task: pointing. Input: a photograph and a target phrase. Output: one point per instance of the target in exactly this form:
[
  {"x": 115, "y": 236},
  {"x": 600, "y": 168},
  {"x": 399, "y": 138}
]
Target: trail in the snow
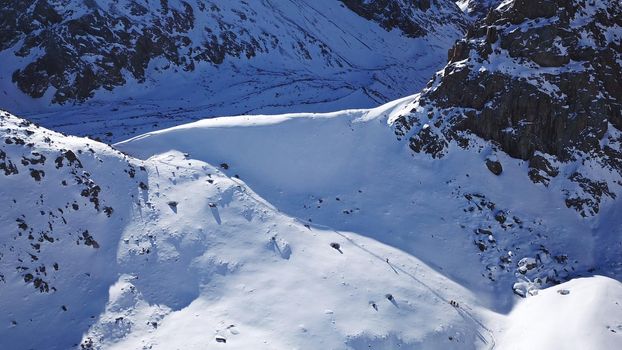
[
  {"x": 463, "y": 312},
  {"x": 485, "y": 334}
]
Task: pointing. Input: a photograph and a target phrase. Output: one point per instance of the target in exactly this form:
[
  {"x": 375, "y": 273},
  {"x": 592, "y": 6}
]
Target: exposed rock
[
  {"x": 89, "y": 240},
  {"x": 481, "y": 245},
  {"x": 501, "y": 217},
  {"x": 498, "y": 87},
  {"x": 541, "y": 170},
  {"x": 526, "y": 264},
  {"x": 37, "y": 174},
  {"x": 429, "y": 142},
  {"x": 483, "y": 231},
  {"x": 459, "y": 52},
  {"x": 220, "y": 339},
  {"x": 7, "y": 165},
  {"x": 494, "y": 166},
  {"x": 595, "y": 190},
  {"x": 173, "y": 205}
]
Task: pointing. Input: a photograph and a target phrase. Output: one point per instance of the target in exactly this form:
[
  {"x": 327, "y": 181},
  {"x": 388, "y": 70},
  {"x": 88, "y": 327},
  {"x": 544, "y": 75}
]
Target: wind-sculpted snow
[
  {"x": 277, "y": 232},
  {"x": 550, "y": 320},
  {"x": 188, "y": 257},
  {"x": 346, "y": 171},
  {"x": 461, "y": 217}
]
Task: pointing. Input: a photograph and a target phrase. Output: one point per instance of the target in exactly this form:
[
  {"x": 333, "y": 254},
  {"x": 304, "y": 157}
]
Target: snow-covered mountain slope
[
  {"x": 347, "y": 171},
  {"x": 144, "y": 64},
  {"x": 171, "y": 253},
  {"x": 195, "y": 258},
  {"x": 65, "y": 203},
  {"x": 580, "y": 314},
  {"x": 419, "y": 224},
  {"x": 519, "y": 209}
]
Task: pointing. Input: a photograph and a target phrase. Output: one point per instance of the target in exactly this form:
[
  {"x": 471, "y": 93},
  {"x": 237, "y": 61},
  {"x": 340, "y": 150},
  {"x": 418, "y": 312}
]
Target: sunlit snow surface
[
  {"x": 225, "y": 234},
  {"x": 345, "y": 176}
]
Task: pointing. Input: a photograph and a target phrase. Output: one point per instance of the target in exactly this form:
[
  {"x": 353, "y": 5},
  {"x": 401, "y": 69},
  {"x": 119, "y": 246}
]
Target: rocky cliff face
[
  {"x": 72, "y": 48},
  {"x": 541, "y": 81}
]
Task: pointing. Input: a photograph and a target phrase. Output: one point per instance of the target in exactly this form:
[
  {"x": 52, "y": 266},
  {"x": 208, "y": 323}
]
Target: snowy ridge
[
  {"x": 134, "y": 61},
  {"x": 196, "y": 257},
  {"x": 472, "y": 215},
  {"x": 200, "y": 252},
  {"x": 361, "y": 165}
]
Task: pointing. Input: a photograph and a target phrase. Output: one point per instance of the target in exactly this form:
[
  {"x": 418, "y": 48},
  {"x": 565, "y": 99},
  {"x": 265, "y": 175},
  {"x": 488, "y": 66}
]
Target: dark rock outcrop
[
  {"x": 494, "y": 166},
  {"x": 540, "y": 80},
  {"x": 541, "y": 170}
]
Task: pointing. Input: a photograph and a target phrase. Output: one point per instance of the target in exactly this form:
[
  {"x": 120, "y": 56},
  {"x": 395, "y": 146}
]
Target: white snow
[
  {"x": 249, "y": 259},
  {"x": 326, "y": 58},
  {"x": 588, "y": 317},
  {"x": 298, "y": 231}
]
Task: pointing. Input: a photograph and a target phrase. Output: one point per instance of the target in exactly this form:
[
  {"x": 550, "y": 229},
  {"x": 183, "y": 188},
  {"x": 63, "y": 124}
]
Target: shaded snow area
[
  {"x": 304, "y": 230},
  {"x": 347, "y": 171},
  {"x": 176, "y": 254},
  {"x": 298, "y": 231},
  {"x": 230, "y": 58}
]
